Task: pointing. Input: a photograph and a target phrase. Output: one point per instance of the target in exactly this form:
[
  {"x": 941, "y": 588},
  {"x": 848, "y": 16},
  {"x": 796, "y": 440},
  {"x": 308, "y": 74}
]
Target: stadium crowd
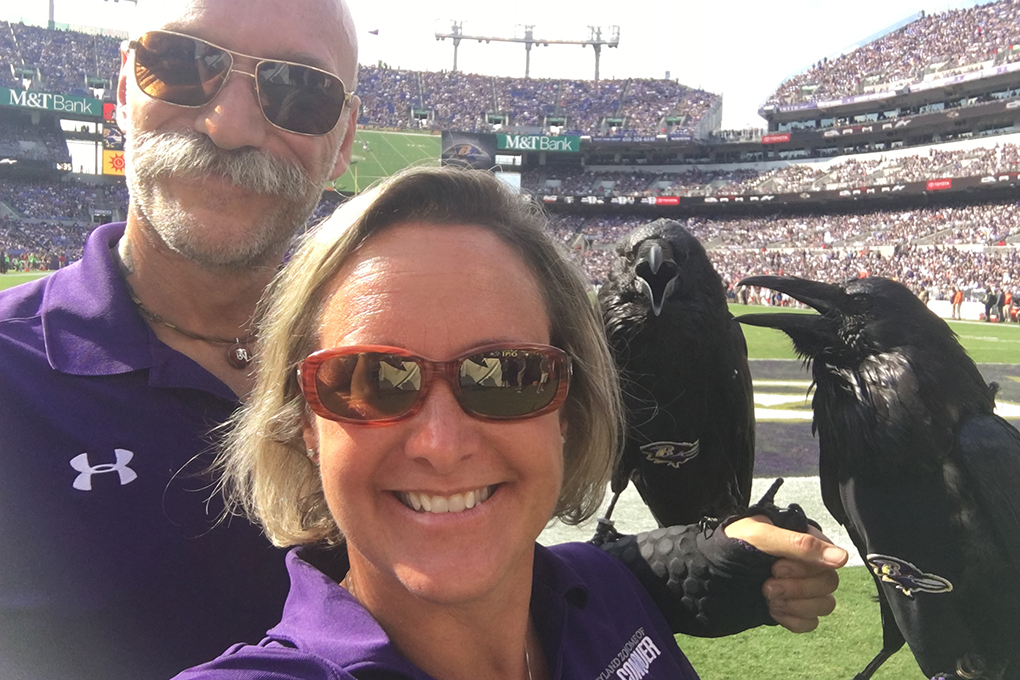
[
  {"x": 462, "y": 101},
  {"x": 749, "y": 245},
  {"x": 69, "y": 62},
  {"x": 849, "y": 173},
  {"x": 72, "y": 62},
  {"x": 940, "y": 43},
  {"x": 51, "y": 221}
]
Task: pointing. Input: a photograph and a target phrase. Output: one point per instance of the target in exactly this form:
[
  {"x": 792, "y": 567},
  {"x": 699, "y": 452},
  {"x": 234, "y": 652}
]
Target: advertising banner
[
  {"x": 538, "y": 143},
  {"x": 113, "y": 162},
  {"x": 468, "y": 149},
  {"x": 831, "y": 196},
  {"x": 61, "y": 103}
]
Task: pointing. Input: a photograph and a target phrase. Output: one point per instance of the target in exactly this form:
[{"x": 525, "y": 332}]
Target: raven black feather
[
  {"x": 686, "y": 384},
  {"x": 914, "y": 463}
]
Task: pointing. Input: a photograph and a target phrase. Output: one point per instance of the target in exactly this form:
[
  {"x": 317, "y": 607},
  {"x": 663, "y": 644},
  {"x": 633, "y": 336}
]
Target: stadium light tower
[
  {"x": 596, "y": 41},
  {"x": 595, "y": 38}
]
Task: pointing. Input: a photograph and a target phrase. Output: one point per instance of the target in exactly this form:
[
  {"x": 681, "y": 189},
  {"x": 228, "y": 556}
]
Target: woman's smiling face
[{"x": 438, "y": 291}]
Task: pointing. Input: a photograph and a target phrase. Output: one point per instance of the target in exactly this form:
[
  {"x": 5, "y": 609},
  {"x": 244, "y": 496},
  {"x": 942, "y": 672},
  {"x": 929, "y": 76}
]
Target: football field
[
  {"x": 377, "y": 154},
  {"x": 11, "y": 279}
]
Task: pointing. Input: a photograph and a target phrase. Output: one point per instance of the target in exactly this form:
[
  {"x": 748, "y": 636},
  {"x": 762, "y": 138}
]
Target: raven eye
[{"x": 859, "y": 302}]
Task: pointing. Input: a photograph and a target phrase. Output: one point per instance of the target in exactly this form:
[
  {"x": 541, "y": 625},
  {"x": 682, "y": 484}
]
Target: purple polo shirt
[
  {"x": 111, "y": 566},
  {"x": 595, "y": 620}
]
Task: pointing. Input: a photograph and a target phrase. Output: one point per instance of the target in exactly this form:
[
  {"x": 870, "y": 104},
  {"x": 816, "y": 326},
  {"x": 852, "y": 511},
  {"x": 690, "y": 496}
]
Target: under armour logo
[{"x": 83, "y": 482}]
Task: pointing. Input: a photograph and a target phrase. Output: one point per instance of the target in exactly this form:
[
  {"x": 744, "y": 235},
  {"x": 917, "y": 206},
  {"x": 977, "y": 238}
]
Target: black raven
[
  {"x": 684, "y": 374},
  {"x": 914, "y": 463}
]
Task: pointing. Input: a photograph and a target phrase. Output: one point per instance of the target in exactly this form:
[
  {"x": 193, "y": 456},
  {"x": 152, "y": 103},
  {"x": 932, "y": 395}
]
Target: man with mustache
[{"x": 114, "y": 370}]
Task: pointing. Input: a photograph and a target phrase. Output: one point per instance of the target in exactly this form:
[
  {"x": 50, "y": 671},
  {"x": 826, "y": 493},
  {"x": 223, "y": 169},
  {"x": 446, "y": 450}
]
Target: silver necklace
[{"x": 527, "y": 660}]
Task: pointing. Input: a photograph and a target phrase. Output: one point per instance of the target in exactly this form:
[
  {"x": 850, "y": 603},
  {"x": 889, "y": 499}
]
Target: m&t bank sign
[
  {"x": 46, "y": 101},
  {"x": 537, "y": 143}
]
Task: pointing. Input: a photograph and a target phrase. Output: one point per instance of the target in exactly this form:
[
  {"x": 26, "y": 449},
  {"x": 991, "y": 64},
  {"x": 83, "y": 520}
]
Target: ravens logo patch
[
  {"x": 673, "y": 454},
  {"x": 905, "y": 576}
]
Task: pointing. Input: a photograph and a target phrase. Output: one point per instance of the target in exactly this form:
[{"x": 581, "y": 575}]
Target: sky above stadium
[{"x": 739, "y": 48}]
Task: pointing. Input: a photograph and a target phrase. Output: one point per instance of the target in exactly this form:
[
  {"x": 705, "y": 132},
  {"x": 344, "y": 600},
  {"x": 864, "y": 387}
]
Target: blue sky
[{"x": 738, "y": 48}]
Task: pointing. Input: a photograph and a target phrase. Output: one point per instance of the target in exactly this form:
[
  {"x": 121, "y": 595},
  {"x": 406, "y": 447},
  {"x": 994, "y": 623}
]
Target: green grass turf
[
  {"x": 10, "y": 279},
  {"x": 987, "y": 343},
  {"x": 377, "y": 154},
  {"x": 838, "y": 649}
]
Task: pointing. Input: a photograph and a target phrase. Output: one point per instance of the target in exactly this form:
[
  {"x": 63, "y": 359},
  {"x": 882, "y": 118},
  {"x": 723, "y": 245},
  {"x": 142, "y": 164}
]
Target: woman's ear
[{"x": 311, "y": 437}]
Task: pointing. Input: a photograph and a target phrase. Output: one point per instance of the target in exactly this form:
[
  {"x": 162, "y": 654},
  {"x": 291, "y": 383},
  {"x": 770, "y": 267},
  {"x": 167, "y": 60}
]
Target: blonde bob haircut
[{"x": 267, "y": 473}]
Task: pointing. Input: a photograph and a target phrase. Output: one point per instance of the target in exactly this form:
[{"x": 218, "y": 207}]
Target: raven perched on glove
[
  {"x": 684, "y": 375},
  {"x": 917, "y": 467}
]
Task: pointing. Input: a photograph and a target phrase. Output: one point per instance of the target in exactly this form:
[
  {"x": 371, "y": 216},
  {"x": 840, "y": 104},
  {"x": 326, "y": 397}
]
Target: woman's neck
[{"x": 490, "y": 636}]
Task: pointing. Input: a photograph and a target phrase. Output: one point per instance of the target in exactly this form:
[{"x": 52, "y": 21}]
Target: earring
[{"x": 312, "y": 454}]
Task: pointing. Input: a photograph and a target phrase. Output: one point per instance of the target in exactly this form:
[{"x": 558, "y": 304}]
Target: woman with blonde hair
[{"x": 433, "y": 386}]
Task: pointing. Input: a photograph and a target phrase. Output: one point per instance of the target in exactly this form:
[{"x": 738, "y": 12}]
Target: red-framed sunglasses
[
  {"x": 378, "y": 384},
  {"x": 187, "y": 71}
]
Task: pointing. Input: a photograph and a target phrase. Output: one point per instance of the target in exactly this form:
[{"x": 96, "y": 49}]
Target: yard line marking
[
  {"x": 769, "y": 399},
  {"x": 989, "y": 338},
  {"x": 784, "y": 383},
  {"x": 774, "y": 414}
]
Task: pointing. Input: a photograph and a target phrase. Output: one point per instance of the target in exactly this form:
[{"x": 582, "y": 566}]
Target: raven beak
[
  {"x": 820, "y": 296},
  {"x": 810, "y": 333},
  {"x": 654, "y": 258},
  {"x": 648, "y": 281}
]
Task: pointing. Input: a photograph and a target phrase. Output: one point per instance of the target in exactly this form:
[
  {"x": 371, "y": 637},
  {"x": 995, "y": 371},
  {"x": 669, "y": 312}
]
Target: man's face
[{"x": 219, "y": 184}]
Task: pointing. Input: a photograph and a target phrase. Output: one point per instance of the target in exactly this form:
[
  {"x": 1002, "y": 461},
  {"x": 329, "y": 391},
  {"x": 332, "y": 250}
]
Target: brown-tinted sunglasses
[
  {"x": 377, "y": 384},
  {"x": 187, "y": 71}
]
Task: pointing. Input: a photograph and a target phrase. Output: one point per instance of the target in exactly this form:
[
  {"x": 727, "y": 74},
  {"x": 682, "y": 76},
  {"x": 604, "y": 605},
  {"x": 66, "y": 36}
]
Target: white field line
[{"x": 764, "y": 401}]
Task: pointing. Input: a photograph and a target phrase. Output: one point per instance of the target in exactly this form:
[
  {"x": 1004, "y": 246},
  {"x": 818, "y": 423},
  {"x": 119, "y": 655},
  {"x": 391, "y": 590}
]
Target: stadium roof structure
[{"x": 528, "y": 39}]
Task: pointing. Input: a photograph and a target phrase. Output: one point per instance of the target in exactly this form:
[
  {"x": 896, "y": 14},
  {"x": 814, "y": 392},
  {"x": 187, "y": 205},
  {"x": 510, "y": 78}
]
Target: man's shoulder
[{"x": 27, "y": 300}]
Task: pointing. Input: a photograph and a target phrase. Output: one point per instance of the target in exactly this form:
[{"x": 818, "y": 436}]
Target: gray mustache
[{"x": 156, "y": 155}]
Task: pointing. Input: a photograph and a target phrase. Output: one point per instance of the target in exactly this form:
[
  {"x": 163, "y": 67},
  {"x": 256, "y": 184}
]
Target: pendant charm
[{"x": 239, "y": 356}]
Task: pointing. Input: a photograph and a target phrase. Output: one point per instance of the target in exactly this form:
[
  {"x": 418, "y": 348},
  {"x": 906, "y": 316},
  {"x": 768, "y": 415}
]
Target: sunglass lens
[
  {"x": 300, "y": 99},
  {"x": 507, "y": 383},
  {"x": 178, "y": 69},
  {"x": 368, "y": 386}
]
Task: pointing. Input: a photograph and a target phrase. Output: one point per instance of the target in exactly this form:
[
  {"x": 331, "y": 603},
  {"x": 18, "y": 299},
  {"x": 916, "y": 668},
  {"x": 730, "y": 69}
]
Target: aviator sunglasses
[
  {"x": 185, "y": 71},
  {"x": 377, "y": 384}
]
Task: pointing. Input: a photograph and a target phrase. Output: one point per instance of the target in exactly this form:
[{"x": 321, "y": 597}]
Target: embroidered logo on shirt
[
  {"x": 83, "y": 482},
  {"x": 634, "y": 660}
]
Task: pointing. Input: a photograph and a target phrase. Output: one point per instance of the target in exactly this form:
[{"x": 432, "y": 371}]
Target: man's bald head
[{"x": 332, "y": 17}]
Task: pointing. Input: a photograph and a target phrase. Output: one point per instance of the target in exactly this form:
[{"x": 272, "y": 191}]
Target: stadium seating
[
  {"x": 975, "y": 159},
  {"x": 68, "y": 62},
  {"x": 461, "y": 101},
  {"x": 930, "y": 248},
  {"x": 946, "y": 42}
]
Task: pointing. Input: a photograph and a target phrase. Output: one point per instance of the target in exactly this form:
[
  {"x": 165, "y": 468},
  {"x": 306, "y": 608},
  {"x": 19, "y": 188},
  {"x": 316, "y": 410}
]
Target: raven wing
[
  {"x": 988, "y": 450},
  {"x": 739, "y": 401}
]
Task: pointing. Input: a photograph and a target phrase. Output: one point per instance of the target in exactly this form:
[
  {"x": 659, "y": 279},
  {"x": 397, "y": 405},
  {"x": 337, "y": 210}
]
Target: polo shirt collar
[
  {"x": 322, "y": 618},
  {"x": 91, "y": 326}
]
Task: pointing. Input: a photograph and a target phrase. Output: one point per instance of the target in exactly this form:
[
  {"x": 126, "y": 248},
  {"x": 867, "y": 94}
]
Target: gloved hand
[{"x": 709, "y": 584}]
